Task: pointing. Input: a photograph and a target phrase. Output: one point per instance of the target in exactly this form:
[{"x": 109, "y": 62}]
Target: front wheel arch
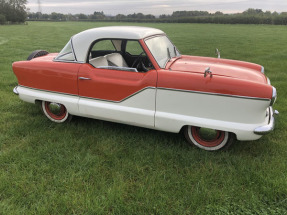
[{"x": 59, "y": 116}]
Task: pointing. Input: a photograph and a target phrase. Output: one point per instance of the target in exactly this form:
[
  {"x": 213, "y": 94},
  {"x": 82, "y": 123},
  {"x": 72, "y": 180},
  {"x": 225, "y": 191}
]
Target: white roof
[{"x": 82, "y": 41}]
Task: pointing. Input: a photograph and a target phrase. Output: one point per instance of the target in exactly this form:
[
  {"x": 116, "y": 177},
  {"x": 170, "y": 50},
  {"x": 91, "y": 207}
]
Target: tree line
[
  {"x": 13, "y": 11},
  {"x": 250, "y": 16}
]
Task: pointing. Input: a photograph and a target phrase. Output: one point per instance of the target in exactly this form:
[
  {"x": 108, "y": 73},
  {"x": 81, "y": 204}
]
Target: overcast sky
[{"x": 155, "y": 7}]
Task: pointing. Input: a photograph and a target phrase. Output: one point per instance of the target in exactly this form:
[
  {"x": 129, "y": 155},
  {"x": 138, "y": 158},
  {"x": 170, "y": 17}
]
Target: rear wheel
[
  {"x": 56, "y": 112},
  {"x": 208, "y": 139}
]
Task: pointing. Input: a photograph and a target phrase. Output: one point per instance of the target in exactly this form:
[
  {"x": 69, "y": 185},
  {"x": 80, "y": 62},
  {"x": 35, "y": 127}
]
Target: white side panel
[
  {"x": 137, "y": 110},
  {"x": 175, "y": 109},
  {"x": 238, "y": 115},
  {"x": 31, "y": 95}
]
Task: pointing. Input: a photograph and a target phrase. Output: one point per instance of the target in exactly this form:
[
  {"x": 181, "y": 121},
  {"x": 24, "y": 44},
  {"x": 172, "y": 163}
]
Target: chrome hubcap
[
  {"x": 207, "y": 134},
  {"x": 55, "y": 108}
]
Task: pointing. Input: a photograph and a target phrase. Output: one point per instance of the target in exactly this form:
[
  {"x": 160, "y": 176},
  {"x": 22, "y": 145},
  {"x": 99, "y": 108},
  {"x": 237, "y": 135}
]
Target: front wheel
[
  {"x": 55, "y": 112},
  {"x": 208, "y": 139}
]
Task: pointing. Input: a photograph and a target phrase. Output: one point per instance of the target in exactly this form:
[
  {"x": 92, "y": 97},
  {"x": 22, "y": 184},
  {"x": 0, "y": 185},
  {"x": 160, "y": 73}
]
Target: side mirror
[{"x": 217, "y": 53}]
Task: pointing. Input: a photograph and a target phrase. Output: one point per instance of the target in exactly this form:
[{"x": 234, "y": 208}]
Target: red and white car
[{"x": 135, "y": 75}]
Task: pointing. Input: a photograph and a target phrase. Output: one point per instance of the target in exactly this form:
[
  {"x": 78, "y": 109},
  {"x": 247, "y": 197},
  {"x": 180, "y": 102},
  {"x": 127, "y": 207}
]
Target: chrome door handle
[{"x": 84, "y": 78}]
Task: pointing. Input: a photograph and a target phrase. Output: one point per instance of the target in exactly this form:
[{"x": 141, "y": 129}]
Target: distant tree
[
  {"x": 98, "y": 15},
  {"x": 218, "y": 13},
  {"x": 120, "y": 17},
  {"x": 252, "y": 11},
  {"x": 14, "y": 10},
  {"x": 2, "y": 19},
  {"x": 268, "y": 13},
  {"x": 82, "y": 16},
  {"x": 132, "y": 16},
  {"x": 149, "y": 16},
  {"x": 71, "y": 17},
  {"x": 163, "y": 16},
  {"x": 140, "y": 16},
  {"x": 57, "y": 16}
]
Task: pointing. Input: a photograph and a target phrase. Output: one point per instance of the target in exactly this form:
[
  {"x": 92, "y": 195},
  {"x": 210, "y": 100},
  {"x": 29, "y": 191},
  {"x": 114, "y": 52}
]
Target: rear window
[{"x": 66, "y": 54}]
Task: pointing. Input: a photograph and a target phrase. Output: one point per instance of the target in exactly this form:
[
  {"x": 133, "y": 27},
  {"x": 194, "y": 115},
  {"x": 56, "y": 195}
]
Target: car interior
[{"x": 125, "y": 55}]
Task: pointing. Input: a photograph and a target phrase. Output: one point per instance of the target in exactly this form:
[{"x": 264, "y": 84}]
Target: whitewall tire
[
  {"x": 208, "y": 139},
  {"x": 55, "y": 112}
]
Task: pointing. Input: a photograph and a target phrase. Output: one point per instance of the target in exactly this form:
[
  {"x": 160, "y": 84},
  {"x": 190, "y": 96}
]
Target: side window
[
  {"x": 104, "y": 45},
  {"x": 134, "y": 48}
]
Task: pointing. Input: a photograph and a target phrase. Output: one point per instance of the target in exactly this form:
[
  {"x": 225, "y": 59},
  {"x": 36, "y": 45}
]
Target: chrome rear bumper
[
  {"x": 270, "y": 126},
  {"x": 15, "y": 90}
]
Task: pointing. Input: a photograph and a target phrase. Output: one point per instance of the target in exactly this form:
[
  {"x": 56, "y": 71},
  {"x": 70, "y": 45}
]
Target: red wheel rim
[
  {"x": 217, "y": 140},
  {"x": 61, "y": 113}
]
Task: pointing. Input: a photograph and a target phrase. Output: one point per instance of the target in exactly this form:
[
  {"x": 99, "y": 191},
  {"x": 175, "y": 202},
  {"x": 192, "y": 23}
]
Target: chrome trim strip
[
  {"x": 68, "y": 94},
  {"x": 129, "y": 69},
  {"x": 268, "y": 81},
  {"x": 91, "y": 97},
  {"x": 160, "y": 88},
  {"x": 262, "y": 69},
  {"x": 215, "y": 94},
  {"x": 84, "y": 78},
  {"x": 105, "y": 100},
  {"x": 73, "y": 49},
  {"x": 261, "y": 130},
  {"x": 65, "y": 61},
  {"x": 15, "y": 90},
  {"x": 274, "y": 96}
]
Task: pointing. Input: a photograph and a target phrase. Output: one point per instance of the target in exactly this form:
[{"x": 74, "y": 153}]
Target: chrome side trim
[
  {"x": 268, "y": 81},
  {"x": 129, "y": 69},
  {"x": 262, "y": 69},
  {"x": 270, "y": 126},
  {"x": 84, "y": 78},
  {"x": 15, "y": 90},
  {"x": 159, "y": 88},
  {"x": 105, "y": 100},
  {"x": 274, "y": 96},
  {"x": 68, "y": 94},
  {"x": 66, "y": 61}
]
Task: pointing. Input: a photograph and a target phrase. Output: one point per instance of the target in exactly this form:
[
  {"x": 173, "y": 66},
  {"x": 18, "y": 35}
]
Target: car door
[{"x": 116, "y": 95}]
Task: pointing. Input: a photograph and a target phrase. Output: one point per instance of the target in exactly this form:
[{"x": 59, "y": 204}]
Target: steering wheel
[{"x": 139, "y": 63}]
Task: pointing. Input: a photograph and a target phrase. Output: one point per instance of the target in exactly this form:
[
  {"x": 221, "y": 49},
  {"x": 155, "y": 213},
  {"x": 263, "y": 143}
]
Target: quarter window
[{"x": 66, "y": 54}]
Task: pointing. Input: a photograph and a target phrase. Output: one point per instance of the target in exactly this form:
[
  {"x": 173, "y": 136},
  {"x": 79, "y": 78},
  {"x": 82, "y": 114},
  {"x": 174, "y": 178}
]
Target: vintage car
[{"x": 135, "y": 75}]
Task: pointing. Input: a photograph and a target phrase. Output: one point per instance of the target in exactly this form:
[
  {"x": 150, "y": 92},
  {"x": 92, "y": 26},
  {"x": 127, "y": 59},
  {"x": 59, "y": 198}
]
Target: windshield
[
  {"x": 162, "y": 49},
  {"x": 66, "y": 54}
]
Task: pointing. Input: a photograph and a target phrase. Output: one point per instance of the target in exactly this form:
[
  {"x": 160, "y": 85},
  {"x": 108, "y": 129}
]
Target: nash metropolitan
[{"x": 135, "y": 75}]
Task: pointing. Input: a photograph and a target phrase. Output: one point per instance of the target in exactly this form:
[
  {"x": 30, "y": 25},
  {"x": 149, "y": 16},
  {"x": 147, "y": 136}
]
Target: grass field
[{"x": 96, "y": 167}]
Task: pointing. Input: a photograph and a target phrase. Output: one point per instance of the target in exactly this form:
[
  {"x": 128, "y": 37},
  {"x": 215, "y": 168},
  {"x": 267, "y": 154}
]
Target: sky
[{"x": 155, "y": 7}]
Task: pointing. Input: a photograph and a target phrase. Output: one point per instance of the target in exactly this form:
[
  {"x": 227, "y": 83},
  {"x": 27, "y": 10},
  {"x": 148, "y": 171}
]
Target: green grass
[{"x": 96, "y": 167}]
